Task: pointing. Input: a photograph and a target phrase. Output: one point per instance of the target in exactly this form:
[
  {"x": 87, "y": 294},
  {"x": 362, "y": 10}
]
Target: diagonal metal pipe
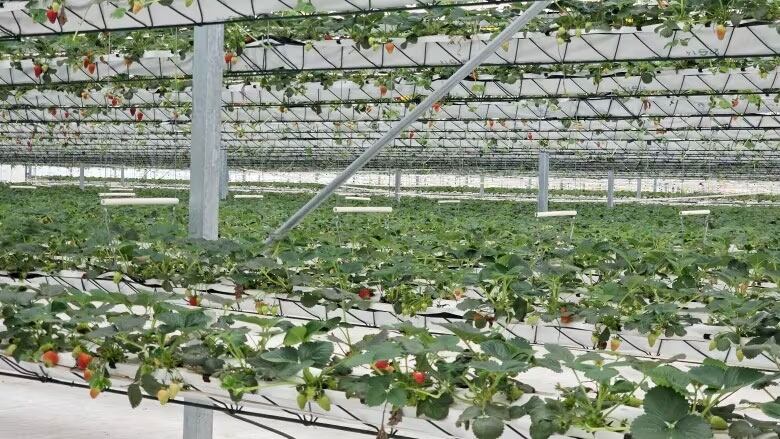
[{"x": 515, "y": 26}]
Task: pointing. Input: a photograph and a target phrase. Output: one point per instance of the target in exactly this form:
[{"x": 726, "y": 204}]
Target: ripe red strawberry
[
  {"x": 327, "y": 37},
  {"x": 382, "y": 90},
  {"x": 566, "y": 316},
  {"x": 735, "y": 103},
  {"x": 437, "y": 106},
  {"x": 139, "y": 116},
  {"x": 365, "y": 293},
  {"x": 38, "y": 70},
  {"x": 390, "y": 48},
  {"x": 94, "y": 392},
  {"x": 381, "y": 364},
  {"x": 85, "y": 62},
  {"x": 530, "y": 136},
  {"x": 114, "y": 102},
  {"x": 132, "y": 111},
  {"x": 91, "y": 68},
  {"x": 614, "y": 344},
  {"x": 229, "y": 58},
  {"x": 418, "y": 377},
  {"x": 50, "y": 358},
  {"x": 51, "y": 15},
  {"x": 88, "y": 375},
  {"x": 194, "y": 300},
  {"x": 83, "y": 360}
]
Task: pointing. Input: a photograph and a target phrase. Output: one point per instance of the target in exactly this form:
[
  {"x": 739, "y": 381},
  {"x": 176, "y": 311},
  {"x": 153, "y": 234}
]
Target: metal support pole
[
  {"x": 544, "y": 181},
  {"x": 610, "y": 189},
  {"x": 224, "y": 175},
  {"x": 198, "y": 422},
  {"x": 206, "y": 131},
  {"x": 655, "y": 184},
  {"x": 81, "y": 177},
  {"x": 533, "y": 10},
  {"x": 639, "y": 188},
  {"x": 397, "y": 185},
  {"x": 481, "y": 185},
  {"x": 122, "y": 176}
]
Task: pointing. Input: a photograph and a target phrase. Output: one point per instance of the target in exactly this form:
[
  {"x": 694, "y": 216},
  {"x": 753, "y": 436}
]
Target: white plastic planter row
[
  {"x": 282, "y": 399},
  {"x": 694, "y": 345},
  {"x": 343, "y": 410}
]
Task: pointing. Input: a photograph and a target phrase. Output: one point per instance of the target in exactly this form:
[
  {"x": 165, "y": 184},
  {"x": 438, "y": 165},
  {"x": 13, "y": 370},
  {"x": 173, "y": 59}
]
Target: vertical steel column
[
  {"x": 122, "y": 176},
  {"x": 81, "y": 177},
  {"x": 224, "y": 175},
  {"x": 544, "y": 181},
  {"x": 397, "y": 185},
  {"x": 468, "y": 68},
  {"x": 206, "y": 131},
  {"x": 198, "y": 422},
  {"x": 655, "y": 184},
  {"x": 639, "y": 188},
  {"x": 481, "y": 185},
  {"x": 610, "y": 189}
]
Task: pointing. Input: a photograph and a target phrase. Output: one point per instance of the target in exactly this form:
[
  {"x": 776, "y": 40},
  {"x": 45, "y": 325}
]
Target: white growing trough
[
  {"x": 694, "y": 212},
  {"x": 139, "y": 202},
  {"x": 116, "y": 195},
  {"x": 378, "y": 209},
  {"x": 449, "y": 201},
  {"x": 557, "y": 214},
  {"x": 247, "y": 196},
  {"x": 350, "y": 198},
  {"x": 22, "y": 187}
]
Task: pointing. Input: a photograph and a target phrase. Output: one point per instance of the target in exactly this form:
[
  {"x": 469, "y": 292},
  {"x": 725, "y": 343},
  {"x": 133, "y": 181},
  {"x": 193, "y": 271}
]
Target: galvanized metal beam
[
  {"x": 468, "y": 68},
  {"x": 205, "y": 162},
  {"x": 544, "y": 182}
]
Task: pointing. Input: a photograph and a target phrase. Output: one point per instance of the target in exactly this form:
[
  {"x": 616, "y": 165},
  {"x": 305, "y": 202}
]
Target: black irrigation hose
[{"x": 236, "y": 413}]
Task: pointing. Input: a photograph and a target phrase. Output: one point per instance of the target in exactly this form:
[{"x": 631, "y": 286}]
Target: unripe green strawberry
[
  {"x": 740, "y": 354},
  {"x": 302, "y": 399},
  {"x": 713, "y": 345},
  {"x": 163, "y": 396},
  {"x": 633, "y": 401},
  {"x": 9, "y": 351},
  {"x": 117, "y": 277},
  {"x": 173, "y": 390},
  {"x": 652, "y": 338},
  {"x": 532, "y": 319},
  {"x": 718, "y": 423},
  {"x": 324, "y": 402}
]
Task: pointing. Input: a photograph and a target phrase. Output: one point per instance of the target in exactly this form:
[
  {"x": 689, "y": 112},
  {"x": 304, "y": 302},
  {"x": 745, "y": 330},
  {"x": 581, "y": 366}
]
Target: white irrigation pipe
[
  {"x": 22, "y": 187},
  {"x": 357, "y": 198},
  {"x": 694, "y": 212},
  {"x": 449, "y": 201},
  {"x": 362, "y": 210},
  {"x": 247, "y": 196},
  {"x": 556, "y": 214},
  {"x": 116, "y": 195},
  {"x": 139, "y": 202}
]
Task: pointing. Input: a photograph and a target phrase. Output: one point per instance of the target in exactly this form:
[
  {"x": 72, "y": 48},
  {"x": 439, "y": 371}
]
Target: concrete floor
[{"x": 32, "y": 410}]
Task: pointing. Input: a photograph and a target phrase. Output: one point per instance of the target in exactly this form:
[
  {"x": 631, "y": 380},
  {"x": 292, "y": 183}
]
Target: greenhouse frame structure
[{"x": 363, "y": 107}]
